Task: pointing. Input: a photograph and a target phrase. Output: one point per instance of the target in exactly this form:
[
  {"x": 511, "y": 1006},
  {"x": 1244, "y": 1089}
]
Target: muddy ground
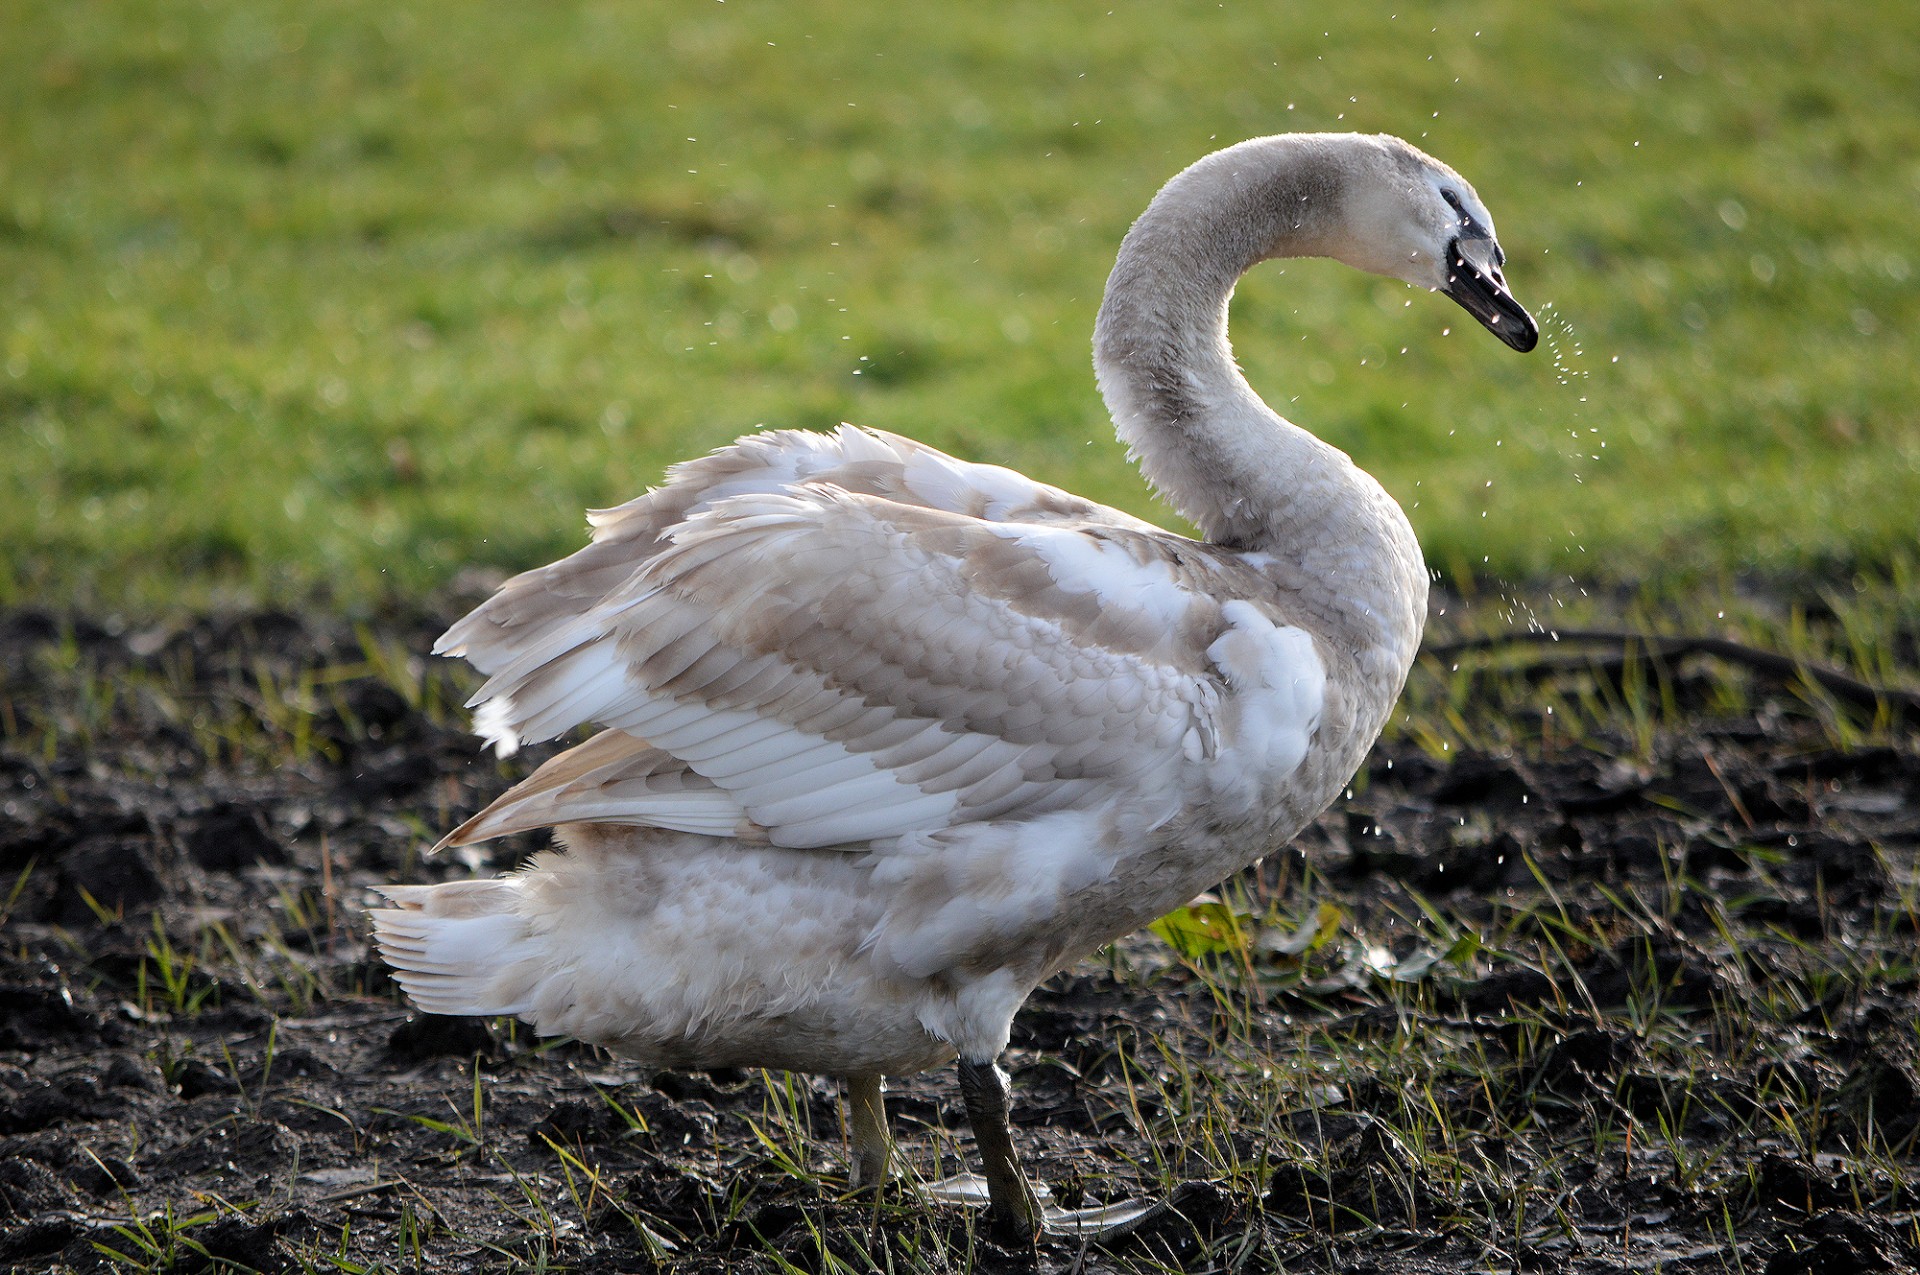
[{"x": 1688, "y": 1044}]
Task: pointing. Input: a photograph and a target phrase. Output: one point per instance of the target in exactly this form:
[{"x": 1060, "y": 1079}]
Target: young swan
[{"x": 890, "y": 737}]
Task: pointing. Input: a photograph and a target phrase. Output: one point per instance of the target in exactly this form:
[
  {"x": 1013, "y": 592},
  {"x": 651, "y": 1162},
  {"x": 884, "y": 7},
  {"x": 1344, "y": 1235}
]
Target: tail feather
[{"x": 460, "y": 948}]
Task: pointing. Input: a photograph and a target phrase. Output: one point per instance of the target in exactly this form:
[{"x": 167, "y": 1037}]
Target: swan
[{"x": 888, "y": 737}]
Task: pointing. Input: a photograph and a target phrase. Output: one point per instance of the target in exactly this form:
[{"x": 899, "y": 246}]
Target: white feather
[{"x": 455, "y": 948}]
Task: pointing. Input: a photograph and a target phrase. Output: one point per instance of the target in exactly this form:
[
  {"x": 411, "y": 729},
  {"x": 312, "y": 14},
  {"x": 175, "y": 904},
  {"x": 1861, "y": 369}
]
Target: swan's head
[{"x": 1409, "y": 216}]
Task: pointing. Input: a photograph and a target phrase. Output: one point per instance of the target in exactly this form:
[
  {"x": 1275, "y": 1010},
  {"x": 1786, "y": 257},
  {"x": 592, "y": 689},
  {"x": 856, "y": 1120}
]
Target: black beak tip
[
  {"x": 1522, "y": 337},
  {"x": 1481, "y": 292}
]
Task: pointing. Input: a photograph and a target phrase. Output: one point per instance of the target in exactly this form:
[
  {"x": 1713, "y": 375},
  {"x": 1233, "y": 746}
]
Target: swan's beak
[{"x": 1475, "y": 281}]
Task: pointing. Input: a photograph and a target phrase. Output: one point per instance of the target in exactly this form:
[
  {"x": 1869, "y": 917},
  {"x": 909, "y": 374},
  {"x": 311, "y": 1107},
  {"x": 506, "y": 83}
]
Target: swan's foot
[
  {"x": 867, "y": 1125},
  {"x": 1106, "y": 1221},
  {"x": 1018, "y": 1212},
  {"x": 971, "y": 1188}
]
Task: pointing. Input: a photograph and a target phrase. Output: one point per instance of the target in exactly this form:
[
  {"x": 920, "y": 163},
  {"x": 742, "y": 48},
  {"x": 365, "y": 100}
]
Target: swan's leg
[
  {"x": 867, "y": 1120},
  {"x": 1012, "y": 1207}
]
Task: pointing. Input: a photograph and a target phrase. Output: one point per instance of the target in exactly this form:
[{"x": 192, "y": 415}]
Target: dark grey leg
[
  {"x": 867, "y": 1121},
  {"x": 1012, "y": 1207}
]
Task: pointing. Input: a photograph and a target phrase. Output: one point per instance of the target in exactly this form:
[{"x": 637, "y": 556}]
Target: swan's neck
[{"x": 1245, "y": 476}]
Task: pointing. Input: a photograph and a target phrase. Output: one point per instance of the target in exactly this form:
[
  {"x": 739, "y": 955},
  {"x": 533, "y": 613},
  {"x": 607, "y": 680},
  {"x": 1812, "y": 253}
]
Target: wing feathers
[
  {"x": 773, "y": 794},
  {"x": 850, "y": 637},
  {"x": 612, "y": 778}
]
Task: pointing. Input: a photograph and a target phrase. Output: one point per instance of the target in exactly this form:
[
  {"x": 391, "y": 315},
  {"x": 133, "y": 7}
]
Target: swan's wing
[
  {"x": 847, "y": 667},
  {"x": 612, "y": 778},
  {"x": 544, "y": 603}
]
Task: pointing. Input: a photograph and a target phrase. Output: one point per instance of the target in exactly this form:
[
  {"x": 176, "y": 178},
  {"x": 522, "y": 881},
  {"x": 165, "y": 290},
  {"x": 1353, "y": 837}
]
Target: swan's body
[{"x": 891, "y": 737}]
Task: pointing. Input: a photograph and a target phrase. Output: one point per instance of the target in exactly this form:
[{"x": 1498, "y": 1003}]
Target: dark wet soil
[{"x": 1687, "y": 1041}]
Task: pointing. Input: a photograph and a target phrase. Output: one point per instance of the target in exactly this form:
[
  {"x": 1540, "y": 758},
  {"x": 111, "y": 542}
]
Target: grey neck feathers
[{"x": 1203, "y": 438}]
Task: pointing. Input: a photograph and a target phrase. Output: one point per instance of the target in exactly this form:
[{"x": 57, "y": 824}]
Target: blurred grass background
[{"x": 320, "y": 302}]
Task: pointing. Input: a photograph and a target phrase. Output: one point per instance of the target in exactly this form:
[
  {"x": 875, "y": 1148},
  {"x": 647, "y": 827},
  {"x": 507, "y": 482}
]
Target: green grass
[{"x": 329, "y": 302}]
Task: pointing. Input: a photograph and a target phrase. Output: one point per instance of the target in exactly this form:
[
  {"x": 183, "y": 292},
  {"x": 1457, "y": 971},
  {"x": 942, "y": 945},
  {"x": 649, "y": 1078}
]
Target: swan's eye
[{"x": 1453, "y": 202}]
